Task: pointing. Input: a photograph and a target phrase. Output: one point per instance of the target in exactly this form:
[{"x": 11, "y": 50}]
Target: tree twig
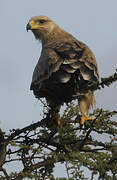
[{"x": 89, "y": 131}]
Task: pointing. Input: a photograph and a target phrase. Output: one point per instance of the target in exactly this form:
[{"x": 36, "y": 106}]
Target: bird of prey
[{"x": 65, "y": 68}]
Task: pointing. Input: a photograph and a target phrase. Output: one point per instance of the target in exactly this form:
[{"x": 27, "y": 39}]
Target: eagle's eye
[{"x": 41, "y": 21}]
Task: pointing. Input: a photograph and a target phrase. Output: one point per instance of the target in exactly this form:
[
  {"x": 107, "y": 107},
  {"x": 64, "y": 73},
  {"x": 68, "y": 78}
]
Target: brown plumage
[{"x": 65, "y": 68}]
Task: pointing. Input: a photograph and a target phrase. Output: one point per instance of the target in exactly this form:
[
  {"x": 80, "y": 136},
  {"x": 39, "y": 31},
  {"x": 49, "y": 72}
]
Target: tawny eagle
[{"x": 65, "y": 68}]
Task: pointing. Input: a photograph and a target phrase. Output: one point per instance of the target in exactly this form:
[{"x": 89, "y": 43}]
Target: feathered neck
[{"x": 47, "y": 36}]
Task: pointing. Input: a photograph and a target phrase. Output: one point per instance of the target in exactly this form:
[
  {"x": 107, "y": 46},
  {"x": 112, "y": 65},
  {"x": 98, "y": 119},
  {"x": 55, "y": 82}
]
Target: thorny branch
[
  {"x": 38, "y": 147},
  {"x": 33, "y": 158}
]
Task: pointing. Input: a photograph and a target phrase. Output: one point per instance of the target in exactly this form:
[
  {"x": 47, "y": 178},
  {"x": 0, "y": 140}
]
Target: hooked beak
[{"x": 28, "y": 27}]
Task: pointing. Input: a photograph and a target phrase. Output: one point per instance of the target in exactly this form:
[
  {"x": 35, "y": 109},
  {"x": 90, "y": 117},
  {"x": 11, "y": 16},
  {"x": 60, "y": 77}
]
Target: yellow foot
[
  {"x": 58, "y": 122},
  {"x": 57, "y": 118},
  {"x": 84, "y": 118}
]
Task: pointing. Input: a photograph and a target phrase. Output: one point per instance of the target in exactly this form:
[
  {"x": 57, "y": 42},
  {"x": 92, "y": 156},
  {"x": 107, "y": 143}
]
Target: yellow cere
[
  {"x": 34, "y": 25},
  {"x": 32, "y": 22}
]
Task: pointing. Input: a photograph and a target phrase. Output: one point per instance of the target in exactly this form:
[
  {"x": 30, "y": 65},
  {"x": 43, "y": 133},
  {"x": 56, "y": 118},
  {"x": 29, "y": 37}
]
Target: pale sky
[{"x": 93, "y": 22}]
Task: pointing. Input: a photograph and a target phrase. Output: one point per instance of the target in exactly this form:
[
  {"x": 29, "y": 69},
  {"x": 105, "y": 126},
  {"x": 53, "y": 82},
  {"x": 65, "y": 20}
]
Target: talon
[{"x": 84, "y": 118}]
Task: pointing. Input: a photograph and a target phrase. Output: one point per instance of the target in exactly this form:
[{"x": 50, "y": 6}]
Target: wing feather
[
  {"x": 68, "y": 68},
  {"x": 60, "y": 60}
]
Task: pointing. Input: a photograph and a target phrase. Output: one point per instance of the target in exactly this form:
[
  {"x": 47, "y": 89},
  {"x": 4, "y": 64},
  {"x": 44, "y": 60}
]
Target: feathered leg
[{"x": 85, "y": 103}]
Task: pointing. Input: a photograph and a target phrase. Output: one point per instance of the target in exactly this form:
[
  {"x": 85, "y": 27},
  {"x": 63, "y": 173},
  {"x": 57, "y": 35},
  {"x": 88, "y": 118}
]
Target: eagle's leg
[
  {"x": 86, "y": 101},
  {"x": 56, "y": 115},
  {"x": 54, "y": 111}
]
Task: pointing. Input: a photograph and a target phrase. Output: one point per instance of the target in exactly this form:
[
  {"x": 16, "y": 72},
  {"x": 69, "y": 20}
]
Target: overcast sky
[{"x": 93, "y": 22}]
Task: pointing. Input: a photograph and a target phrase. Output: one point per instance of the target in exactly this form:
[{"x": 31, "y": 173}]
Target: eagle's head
[{"x": 42, "y": 27}]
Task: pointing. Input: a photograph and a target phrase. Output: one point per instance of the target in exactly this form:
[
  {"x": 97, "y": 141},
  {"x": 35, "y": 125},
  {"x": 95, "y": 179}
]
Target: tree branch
[
  {"x": 2, "y": 149},
  {"x": 104, "y": 82},
  {"x": 27, "y": 128},
  {"x": 89, "y": 131}
]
